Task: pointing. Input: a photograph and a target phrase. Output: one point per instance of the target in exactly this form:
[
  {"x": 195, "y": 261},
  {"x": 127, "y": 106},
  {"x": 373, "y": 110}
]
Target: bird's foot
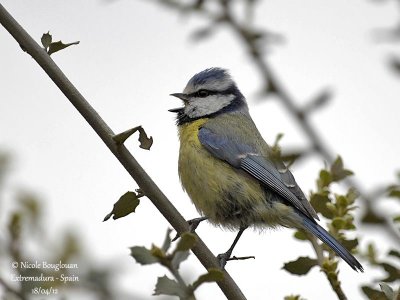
[
  {"x": 223, "y": 258},
  {"x": 193, "y": 224}
]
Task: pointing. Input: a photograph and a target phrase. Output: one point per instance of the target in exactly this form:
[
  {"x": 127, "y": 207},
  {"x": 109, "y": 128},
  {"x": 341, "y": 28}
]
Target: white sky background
[{"x": 131, "y": 56}]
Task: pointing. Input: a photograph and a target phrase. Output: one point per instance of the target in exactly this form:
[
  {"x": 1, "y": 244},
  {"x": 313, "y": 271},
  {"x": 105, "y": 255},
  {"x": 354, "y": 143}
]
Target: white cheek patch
[{"x": 198, "y": 107}]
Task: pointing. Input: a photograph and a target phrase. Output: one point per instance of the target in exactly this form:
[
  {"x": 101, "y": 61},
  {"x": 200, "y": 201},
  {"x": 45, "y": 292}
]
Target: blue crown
[{"x": 210, "y": 74}]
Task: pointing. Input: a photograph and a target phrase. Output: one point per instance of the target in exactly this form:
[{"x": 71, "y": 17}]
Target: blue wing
[{"x": 272, "y": 174}]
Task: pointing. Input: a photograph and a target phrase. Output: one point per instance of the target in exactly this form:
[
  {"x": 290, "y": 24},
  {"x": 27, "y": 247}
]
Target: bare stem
[
  {"x": 336, "y": 286},
  {"x": 332, "y": 278},
  {"x": 317, "y": 248}
]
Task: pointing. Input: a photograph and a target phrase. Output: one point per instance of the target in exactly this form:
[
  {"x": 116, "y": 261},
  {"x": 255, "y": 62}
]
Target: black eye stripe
[{"x": 205, "y": 93}]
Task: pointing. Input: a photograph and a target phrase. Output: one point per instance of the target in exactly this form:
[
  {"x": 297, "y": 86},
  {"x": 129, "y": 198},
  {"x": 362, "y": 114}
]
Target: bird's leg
[
  {"x": 224, "y": 257},
  {"x": 193, "y": 223}
]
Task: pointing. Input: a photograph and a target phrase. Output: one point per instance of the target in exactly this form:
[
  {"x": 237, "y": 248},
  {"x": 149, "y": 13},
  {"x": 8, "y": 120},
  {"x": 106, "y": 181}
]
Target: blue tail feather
[{"x": 329, "y": 240}]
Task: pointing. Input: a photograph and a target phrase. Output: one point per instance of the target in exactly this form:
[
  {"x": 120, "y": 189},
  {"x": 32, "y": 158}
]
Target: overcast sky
[{"x": 131, "y": 56}]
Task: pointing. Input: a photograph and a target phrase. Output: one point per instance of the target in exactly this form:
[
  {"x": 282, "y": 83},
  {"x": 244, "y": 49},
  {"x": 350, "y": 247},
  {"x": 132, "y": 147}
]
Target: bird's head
[{"x": 209, "y": 93}]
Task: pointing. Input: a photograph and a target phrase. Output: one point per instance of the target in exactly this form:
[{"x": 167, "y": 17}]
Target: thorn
[{"x": 120, "y": 138}]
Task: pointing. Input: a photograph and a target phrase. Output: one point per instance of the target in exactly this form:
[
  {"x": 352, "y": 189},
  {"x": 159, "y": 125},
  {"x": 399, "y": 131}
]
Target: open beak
[
  {"x": 181, "y": 96},
  {"x": 176, "y": 110}
]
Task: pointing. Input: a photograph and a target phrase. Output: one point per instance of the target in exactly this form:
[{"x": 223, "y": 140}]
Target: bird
[{"x": 226, "y": 167}]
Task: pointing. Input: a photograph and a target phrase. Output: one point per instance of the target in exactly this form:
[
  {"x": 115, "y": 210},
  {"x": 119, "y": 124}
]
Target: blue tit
[{"x": 226, "y": 168}]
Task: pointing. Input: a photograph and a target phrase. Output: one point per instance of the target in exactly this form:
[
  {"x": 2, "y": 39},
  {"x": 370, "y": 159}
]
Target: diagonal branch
[{"x": 151, "y": 190}]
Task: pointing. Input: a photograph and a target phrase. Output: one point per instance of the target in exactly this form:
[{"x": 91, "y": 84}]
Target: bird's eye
[{"x": 203, "y": 93}]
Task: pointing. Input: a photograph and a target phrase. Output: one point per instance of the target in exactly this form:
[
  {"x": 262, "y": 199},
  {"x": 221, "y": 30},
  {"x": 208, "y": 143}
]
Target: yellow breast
[{"x": 218, "y": 190}]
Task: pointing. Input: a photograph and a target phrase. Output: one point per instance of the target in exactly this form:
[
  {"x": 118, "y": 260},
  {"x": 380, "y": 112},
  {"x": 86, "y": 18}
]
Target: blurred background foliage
[{"x": 24, "y": 238}]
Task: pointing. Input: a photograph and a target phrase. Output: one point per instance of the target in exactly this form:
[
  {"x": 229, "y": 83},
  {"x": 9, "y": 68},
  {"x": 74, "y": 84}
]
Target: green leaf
[
  {"x": 213, "y": 275},
  {"x": 300, "y": 235},
  {"x": 330, "y": 266},
  {"x": 158, "y": 253},
  {"x": 396, "y": 219},
  {"x": 392, "y": 271},
  {"x": 394, "y": 253},
  {"x": 338, "y": 223},
  {"x": 373, "y": 294},
  {"x": 370, "y": 217},
  {"x": 394, "y": 191},
  {"x": 352, "y": 195},
  {"x": 143, "y": 255},
  {"x": 57, "y": 46},
  {"x": 179, "y": 257},
  {"x": 324, "y": 180},
  {"x": 124, "y": 206},
  {"x": 371, "y": 253},
  {"x": 145, "y": 141},
  {"x": 338, "y": 171},
  {"x": 301, "y": 266},
  {"x": 166, "y": 286},
  {"x": 349, "y": 222},
  {"x": 319, "y": 201},
  {"x": 387, "y": 290},
  {"x": 350, "y": 244},
  {"x": 186, "y": 242},
  {"x": 46, "y": 40},
  {"x": 167, "y": 241},
  {"x": 341, "y": 201}
]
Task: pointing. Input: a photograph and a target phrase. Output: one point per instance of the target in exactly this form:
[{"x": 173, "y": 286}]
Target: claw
[
  {"x": 193, "y": 224},
  {"x": 223, "y": 258}
]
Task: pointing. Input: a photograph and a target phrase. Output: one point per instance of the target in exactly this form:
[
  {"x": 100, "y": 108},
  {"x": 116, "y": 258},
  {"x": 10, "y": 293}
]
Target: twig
[
  {"x": 317, "y": 248},
  {"x": 333, "y": 279},
  {"x": 208, "y": 260},
  {"x": 335, "y": 284}
]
